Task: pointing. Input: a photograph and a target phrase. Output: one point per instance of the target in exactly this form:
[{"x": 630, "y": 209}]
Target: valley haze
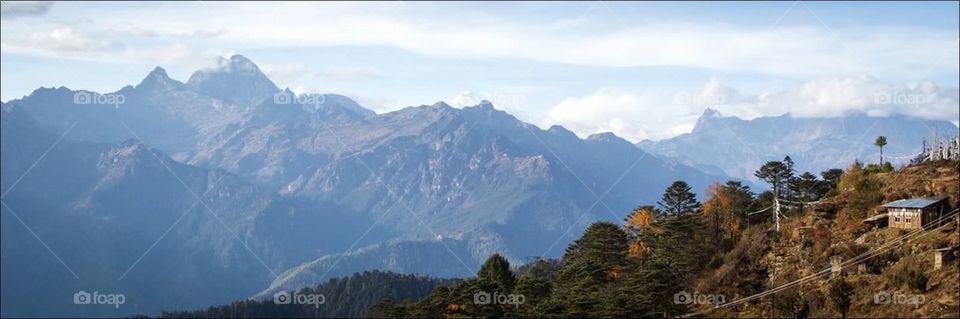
[{"x": 583, "y": 159}]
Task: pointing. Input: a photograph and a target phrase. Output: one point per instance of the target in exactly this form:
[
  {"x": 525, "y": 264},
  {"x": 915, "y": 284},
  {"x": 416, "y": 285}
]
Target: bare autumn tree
[
  {"x": 715, "y": 209},
  {"x": 724, "y": 208},
  {"x": 639, "y": 222}
]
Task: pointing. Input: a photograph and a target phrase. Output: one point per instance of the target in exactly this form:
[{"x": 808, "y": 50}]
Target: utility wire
[{"x": 860, "y": 258}]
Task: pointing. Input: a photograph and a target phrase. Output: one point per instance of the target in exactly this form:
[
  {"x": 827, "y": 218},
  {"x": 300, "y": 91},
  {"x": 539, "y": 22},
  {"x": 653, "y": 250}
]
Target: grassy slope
[{"x": 763, "y": 260}]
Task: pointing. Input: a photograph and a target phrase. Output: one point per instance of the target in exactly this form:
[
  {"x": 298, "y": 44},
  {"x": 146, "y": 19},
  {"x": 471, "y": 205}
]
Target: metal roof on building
[
  {"x": 876, "y": 217},
  {"x": 913, "y": 202}
]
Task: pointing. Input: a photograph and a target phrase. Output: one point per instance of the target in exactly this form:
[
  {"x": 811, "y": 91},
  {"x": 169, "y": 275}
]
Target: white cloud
[
  {"x": 292, "y": 74},
  {"x": 637, "y": 116},
  {"x": 623, "y": 113},
  {"x": 467, "y": 98},
  {"x": 510, "y": 99},
  {"x": 832, "y": 97},
  {"x": 349, "y": 74},
  {"x": 107, "y": 46},
  {"x": 713, "y": 46},
  {"x": 66, "y": 41},
  {"x": 285, "y": 74},
  {"x": 799, "y": 51},
  {"x": 112, "y": 33},
  {"x": 681, "y": 129},
  {"x": 161, "y": 55}
]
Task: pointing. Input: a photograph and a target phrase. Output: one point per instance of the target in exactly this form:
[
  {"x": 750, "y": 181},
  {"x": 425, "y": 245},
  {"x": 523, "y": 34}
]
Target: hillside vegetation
[
  {"x": 337, "y": 298},
  {"x": 835, "y": 228},
  {"x": 722, "y": 257},
  {"x": 683, "y": 257}
]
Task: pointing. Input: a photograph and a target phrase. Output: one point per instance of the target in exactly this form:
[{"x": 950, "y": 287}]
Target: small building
[
  {"x": 916, "y": 213},
  {"x": 878, "y": 221},
  {"x": 835, "y": 266},
  {"x": 944, "y": 256}
]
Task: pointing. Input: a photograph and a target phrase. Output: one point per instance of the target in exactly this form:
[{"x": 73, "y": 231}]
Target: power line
[
  {"x": 860, "y": 258},
  {"x": 800, "y": 202},
  {"x": 760, "y": 211},
  {"x": 857, "y": 259}
]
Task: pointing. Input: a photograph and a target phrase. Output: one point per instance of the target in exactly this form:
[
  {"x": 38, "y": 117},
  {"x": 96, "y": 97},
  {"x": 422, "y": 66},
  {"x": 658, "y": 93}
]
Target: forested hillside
[
  {"x": 714, "y": 259},
  {"x": 722, "y": 257},
  {"x": 341, "y": 297}
]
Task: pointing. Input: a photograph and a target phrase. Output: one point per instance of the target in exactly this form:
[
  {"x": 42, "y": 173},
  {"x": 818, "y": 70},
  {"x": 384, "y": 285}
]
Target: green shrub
[
  {"x": 908, "y": 273},
  {"x": 866, "y": 194},
  {"x": 874, "y": 168}
]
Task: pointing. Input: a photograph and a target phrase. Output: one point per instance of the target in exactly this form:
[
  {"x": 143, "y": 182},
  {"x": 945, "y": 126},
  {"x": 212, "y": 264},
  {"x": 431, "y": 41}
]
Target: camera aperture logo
[
  {"x": 497, "y": 298},
  {"x": 901, "y": 98},
  {"x": 96, "y": 298},
  {"x": 696, "y": 298},
  {"x": 896, "y": 298},
  {"x": 288, "y": 98},
  {"x": 698, "y": 98},
  {"x": 94, "y": 98},
  {"x": 295, "y": 298}
]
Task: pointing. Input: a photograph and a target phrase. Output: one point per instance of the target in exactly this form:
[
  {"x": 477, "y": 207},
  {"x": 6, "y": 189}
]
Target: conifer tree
[{"x": 679, "y": 200}]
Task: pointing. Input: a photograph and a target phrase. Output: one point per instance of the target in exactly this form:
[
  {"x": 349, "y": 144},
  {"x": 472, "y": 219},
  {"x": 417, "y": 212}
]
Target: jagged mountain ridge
[
  {"x": 125, "y": 218},
  {"x": 447, "y": 159},
  {"x": 476, "y": 176},
  {"x": 736, "y": 147}
]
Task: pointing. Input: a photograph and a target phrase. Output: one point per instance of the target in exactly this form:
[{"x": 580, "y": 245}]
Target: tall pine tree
[
  {"x": 679, "y": 200},
  {"x": 591, "y": 266}
]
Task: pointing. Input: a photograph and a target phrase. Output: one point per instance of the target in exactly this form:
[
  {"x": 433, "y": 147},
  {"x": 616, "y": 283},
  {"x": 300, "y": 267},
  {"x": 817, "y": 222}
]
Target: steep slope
[
  {"x": 900, "y": 264},
  {"x": 125, "y": 218},
  {"x": 476, "y": 175}
]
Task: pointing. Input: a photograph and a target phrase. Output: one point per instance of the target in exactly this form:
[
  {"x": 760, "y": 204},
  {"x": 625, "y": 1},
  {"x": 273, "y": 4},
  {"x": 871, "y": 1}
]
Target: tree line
[
  {"x": 634, "y": 268},
  {"x": 631, "y": 269}
]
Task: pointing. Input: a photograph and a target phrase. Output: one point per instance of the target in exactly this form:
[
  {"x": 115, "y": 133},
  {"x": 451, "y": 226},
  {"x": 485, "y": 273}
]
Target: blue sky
[{"x": 641, "y": 70}]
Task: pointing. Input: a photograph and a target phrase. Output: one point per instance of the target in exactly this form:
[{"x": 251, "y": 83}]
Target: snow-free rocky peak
[
  {"x": 237, "y": 80},
  {"x": 709, "y": 116},
  {"x": 158, "y": 79}
]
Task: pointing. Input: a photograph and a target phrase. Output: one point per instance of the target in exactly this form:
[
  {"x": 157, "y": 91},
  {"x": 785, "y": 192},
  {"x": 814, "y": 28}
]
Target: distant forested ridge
[
  {"x": 342, "y": 297},
  {"x": 680, "y": 256}
]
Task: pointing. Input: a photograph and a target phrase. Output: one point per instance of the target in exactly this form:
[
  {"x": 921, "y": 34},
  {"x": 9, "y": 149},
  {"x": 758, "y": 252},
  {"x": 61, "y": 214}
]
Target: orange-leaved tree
[{"x": 640, "y": 221}]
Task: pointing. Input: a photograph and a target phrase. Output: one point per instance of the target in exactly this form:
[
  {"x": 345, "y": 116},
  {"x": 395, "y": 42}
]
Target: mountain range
[
  {"x": 174, "y": 193},
  {"x": 183, "y": 195},
  {"x": 727, "y": 145}
]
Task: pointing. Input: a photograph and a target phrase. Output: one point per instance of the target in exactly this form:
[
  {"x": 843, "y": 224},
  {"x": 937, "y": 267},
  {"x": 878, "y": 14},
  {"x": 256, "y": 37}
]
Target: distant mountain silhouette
[
  {"x": 736, "y": 147},
  {"x": 296, "y": 178}
]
